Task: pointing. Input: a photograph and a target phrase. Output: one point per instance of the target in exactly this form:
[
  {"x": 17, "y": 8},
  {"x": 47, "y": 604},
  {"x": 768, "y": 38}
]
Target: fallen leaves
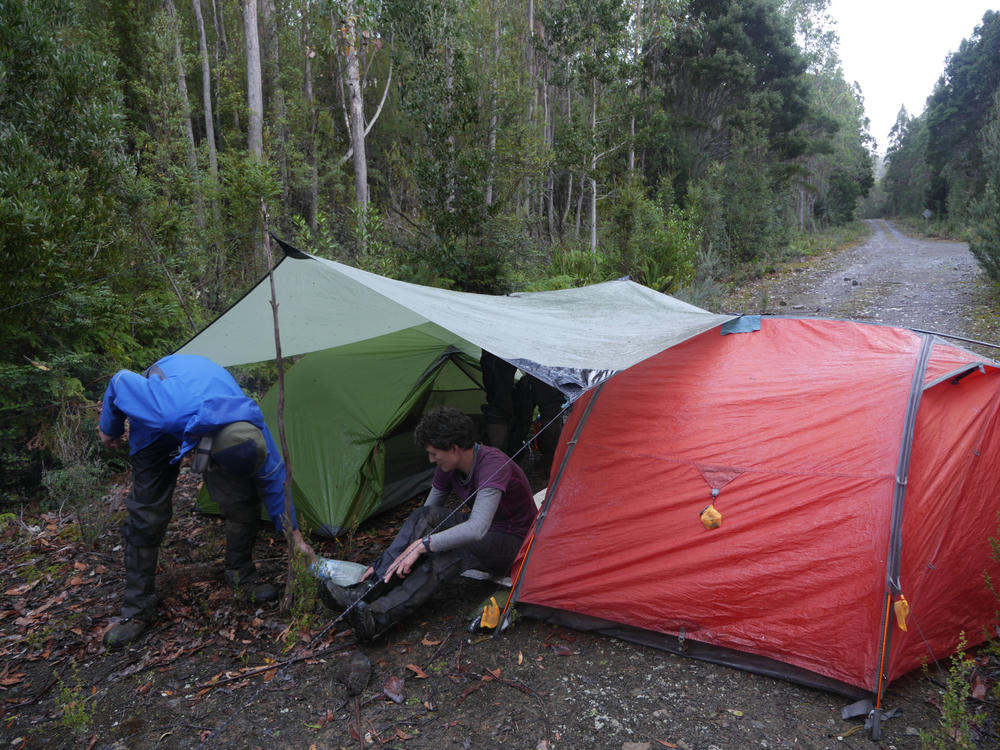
[
  {"x": 22, "y": 589},
  {"x": 417, "y": 671}
]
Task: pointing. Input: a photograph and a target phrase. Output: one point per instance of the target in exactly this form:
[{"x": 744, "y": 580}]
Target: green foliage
[
  {"x": 373, "y": 250},
  {"x": 955, "y": 725},
  {"x": 985, "y": 244},
  {"x": 956, "y": 112},
  {"x": 77, "y": 483},
  {"x": 907, "y": 177},
  {"x": 572, "y": 267},
  {"x": 304, "y": 600},
  {"x": 656, "y": 246},
  {"x": 77, "y": 710},
  {"x": 66, "y": 226},
  {"x": 736, "y": 207}
]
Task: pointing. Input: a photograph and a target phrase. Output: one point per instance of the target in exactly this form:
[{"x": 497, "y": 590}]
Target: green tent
[
  {"x": 367, "y": 397},
  {"x": 379, "y": 352}
]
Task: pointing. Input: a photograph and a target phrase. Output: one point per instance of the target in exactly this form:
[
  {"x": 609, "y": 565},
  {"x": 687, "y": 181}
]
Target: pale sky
[{"x": 896, "y": 49}]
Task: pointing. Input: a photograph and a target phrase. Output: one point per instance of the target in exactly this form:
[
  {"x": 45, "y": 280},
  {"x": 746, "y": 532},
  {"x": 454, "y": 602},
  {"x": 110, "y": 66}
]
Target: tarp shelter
[
  {"x": 379, "y": 351},
  {"x": 853, "y": 465}
]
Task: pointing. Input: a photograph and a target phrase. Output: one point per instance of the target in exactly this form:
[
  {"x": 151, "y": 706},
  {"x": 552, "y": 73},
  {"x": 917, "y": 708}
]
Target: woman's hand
[{"x": 403, "y": 564}]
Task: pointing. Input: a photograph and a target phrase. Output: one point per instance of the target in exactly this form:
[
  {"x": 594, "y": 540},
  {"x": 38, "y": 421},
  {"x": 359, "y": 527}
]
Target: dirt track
[{"x": 535, "y": 687}]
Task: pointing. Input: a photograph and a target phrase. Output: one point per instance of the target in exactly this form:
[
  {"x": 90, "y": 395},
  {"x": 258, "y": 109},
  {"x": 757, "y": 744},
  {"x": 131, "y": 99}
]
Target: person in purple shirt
[
  {"x": 185, "y": 404},
  {"x": 436, "y": 543}
]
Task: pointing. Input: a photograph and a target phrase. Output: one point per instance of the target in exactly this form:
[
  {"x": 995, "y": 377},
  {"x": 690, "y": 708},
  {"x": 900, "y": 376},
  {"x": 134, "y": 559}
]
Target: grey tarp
[{"x": 571, "y": 338}]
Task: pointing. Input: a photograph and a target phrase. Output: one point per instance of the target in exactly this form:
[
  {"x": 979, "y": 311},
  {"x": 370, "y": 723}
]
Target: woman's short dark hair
[{"x": 444, "y": 427}]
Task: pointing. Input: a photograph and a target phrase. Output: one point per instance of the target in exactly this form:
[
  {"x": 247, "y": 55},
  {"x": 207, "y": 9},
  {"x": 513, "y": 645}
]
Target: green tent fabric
[
  {"x": 350, "y": 425},
  {"x": 379, "y": 352}
]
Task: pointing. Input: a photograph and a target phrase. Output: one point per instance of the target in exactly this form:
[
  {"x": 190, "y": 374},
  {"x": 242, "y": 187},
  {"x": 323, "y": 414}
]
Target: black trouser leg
[
  {"x": 498, "y": 382},
  {"x": 240, "y": 538},
  {"x": 239, "y": 502},
  {"x": 494, "y": 553},
  {"x": 149, "y": 505},
  {"x": 140, "y": 583}
]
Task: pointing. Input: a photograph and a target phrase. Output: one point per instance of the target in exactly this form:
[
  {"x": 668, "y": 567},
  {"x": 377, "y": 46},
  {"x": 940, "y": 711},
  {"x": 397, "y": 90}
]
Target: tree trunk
[
  {"x": 192, "y": 153},
  {"x": 638, "y": 53},
  {"x": 488, "y": 199},
  {"x": 206, "y": 97},
  {"x": 280, "y": 113},
  {"x": 570, "y": 177},
  {"x": 579, "y": 203},
  {"x": 255, "y": 93},
  {"x": 355, "y": 104},
  {"x": 213, "y": 159},
  {"x": 593, "y": 165},
  {"x": 221, "y": 52},
  {"x": 313, "y": 115}
]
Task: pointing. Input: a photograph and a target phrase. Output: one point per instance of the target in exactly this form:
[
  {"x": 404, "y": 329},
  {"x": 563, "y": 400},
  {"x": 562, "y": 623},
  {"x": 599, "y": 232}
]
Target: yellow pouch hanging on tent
[
  {"x": 711, "y": 518},
  {"x": 902, "y": 609},
  {"x": 491, "y": 615}
]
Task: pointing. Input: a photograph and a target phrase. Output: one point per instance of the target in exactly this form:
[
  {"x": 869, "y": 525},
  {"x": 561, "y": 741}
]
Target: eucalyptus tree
[
  {"x": 255, "y": 86},
  {"x": 589, "y": 44},
  {"x": 464, "y": 144},
  {"x": 956, "y": 111},
  {"x": 733, "y": 94},
  {"x": 985, "y": 243},
  {"x": 907, "y": 177}
]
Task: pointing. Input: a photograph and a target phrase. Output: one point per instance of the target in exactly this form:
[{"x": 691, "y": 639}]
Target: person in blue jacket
[{"x": 184, "y": 404}]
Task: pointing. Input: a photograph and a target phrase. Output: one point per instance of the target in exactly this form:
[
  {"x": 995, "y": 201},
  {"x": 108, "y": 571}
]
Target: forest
[
  {"x": 148, "y": 151},
  {"x": 946, "y": 160}
]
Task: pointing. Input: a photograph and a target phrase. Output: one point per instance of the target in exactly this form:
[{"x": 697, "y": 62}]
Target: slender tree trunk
[
  {"x": 206, "y": 97},
  {"x": 450, "y": 100},
  {"x": 206, "y": 91},
  {"x": 280, "y": 113},
  {"x": 488, "y": 199},
  {"x": 579, "y": 202},
  {"x": 313, "y": 115},
  {"x": 255, "y": 92},
  {"x": 569, "y": 177},
  {"x": 593, "y": 165},
  {"x": 638, "y": 53},
  {"x": 356, "y": 109},
  {"x": 549, "y": 134},
  {"x": 192, "y": 153},
  {"x": 221, "y": 52}
]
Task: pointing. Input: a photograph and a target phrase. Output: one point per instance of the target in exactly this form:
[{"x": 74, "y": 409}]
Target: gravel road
[{"x": 890, "y": 278}]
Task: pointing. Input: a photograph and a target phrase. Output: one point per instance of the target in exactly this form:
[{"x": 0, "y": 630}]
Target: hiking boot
[
  {"x": 247, "y": 587},
  {"x": 261, "y": 593},
  {"x": 362, "y": 621},
  {"x": 124, "y": 633},
  {"x": 338, "y": 597}
]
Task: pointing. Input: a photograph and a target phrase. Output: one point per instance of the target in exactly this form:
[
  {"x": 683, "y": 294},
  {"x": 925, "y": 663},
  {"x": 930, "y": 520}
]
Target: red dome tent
[{"x": 852, "y": 465}]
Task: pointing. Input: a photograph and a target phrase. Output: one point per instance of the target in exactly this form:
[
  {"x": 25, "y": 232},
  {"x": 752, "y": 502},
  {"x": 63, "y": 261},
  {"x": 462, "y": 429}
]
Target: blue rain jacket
[{"x": 196, "y": 398}]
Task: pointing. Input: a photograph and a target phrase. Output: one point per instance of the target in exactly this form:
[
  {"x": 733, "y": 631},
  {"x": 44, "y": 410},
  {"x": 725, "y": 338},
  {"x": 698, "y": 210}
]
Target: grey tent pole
[{"x": 892, "y": 584}]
